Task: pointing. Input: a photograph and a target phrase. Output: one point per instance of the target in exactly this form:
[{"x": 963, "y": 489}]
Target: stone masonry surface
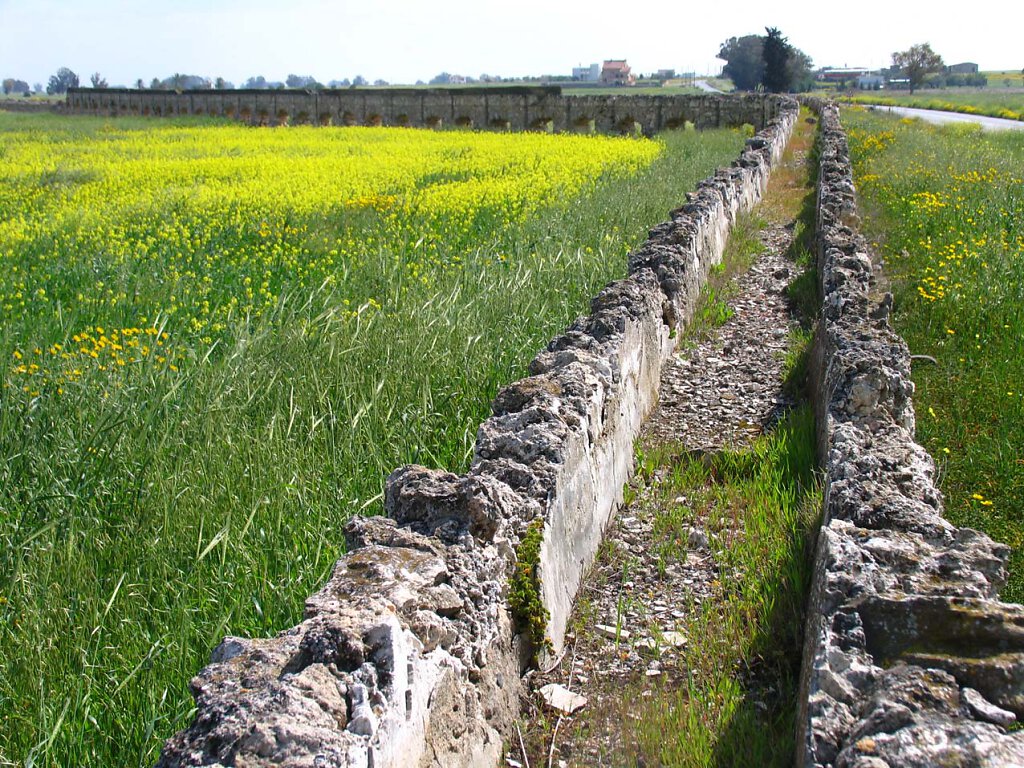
[
  {"x": 910, "y": 659},
  {"x": 502, "y": 109},
  {"x": 407, "y": 656}
]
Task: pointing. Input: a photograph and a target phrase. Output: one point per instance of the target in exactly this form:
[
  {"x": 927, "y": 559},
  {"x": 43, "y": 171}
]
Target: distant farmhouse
[
  {"x": 841, "y": 74},
  {"x": 591, "y": 74},
  {"x": 617, "y": 72},
  {"x": 965, "y": 73},
  {"x": 871, "y": 82}
]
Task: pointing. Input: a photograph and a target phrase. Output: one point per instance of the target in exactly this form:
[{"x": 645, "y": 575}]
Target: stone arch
[
  {"x": 282, "y": 117},
  {"x": 263, "y": 117},
  {"x": 348, "y": 118},
  {"x": 245, "y": 113},
  {"x": 325, "y": 118},
  {"x": 146, "y": 110},
  {"x": 628, "y": 126},
  {"x": 197, "y": 111},
  {"x": 500, "y": 124},
  {"x": 374, "y": 120},
  {"x": 301, "y": 117},
  {"x": 543, "y": 125},
  {"x": 674, "y": 123},
  {"x": 583, "y": 124},
  {"x": 229, "y": 110},
  {"x": 158, "y": 110},
  {"x": 433, "y": 121},
  {"x": 464, "y": 121},
  {"x": 402, "y": 120}
]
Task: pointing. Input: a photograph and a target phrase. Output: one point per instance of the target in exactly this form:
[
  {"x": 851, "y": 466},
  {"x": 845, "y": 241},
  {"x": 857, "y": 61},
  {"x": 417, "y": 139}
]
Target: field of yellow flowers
[
  {"x": 950, "y": 229},
  {"x": 215, "y": 343}
]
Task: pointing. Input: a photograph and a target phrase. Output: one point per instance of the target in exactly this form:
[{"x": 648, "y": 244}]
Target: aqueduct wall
[
  {"x": 910, "y": 660},
  {"x": 511, "y": 108},
  {"x": 408, "y": 655}
]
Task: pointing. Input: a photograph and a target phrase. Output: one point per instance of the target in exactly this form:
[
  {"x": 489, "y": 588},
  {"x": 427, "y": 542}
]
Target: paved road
[
  {"x": 948, "y": 118},
  {"x": 704, "y": 85}
]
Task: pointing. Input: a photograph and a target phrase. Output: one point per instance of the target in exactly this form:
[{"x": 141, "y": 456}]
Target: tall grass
[
  {"x": 140, "y": 523},
  {"x": 947, "y": 217}
]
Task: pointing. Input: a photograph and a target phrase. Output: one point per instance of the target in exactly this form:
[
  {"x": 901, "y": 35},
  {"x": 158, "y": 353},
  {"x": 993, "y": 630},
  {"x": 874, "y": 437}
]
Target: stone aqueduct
[
  {"x": 508, "y": 108},
  {"x": 407, "y": 656}
]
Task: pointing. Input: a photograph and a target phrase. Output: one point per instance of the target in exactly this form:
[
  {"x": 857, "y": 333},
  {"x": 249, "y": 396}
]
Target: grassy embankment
[
  {"x": 731, "y": 697},
  {"x": 946, "y": 212},
  {"x": 217, "y": 341},
  {"x": 992, "y": 102}
]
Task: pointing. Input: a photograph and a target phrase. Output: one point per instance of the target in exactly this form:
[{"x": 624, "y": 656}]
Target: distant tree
[
  {"x": 259, "y": 81},
  {"x": 916, "y": 62},
  {"x": 359, "y": 80},
  {"x": 300, "y": 81},
  {"x": 801, "y": 71},
  {"x": 442, "y": 79},
  {"x": 140, "y": 84},
  {"x": 8, "y": 85},
  {"x": 60, "y": 82},
  {"x": 767, "y": 61},
  {"x": 97, "y": 80},
  {"x": 776, "y": 52},
  {"x": 156, "y": 84},
  {"x": 223, "y": 85},
  {"x": 37, "y": 88},
  {"x": 744, "y": 61},
  {"x": 379, "y": 83}
]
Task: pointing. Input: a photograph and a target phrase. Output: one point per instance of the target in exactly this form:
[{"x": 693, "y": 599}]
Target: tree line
[
  {"x": 766, "y": 62},
  {"x": 65, "y": 78}
]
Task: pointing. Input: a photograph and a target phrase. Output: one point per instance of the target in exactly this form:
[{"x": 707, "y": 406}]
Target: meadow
[
  {"x": 217, "y": 341},
  {"x": 945, "y": 212},
  {"x": 1007, "y": 104}
]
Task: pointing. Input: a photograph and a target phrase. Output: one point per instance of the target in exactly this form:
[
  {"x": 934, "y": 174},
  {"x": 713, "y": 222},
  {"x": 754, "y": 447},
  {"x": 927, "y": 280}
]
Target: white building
[{"x": 589, "y": 74}]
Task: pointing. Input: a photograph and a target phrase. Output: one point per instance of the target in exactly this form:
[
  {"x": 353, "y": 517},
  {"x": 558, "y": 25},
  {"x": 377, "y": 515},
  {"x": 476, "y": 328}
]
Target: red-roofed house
[{"x": 617, "y": 72}]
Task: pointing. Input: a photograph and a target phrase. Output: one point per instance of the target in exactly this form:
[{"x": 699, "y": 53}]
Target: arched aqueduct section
[{"x": 507, "y": 108}]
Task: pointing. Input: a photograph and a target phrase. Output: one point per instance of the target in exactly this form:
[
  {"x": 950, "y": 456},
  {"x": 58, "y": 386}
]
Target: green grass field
[
  {"x": 946, "y": 213},
  {"x": 993, "y": 102},
  {"x": 218, "y": 341},
  {"x": 636, "y": 90}
]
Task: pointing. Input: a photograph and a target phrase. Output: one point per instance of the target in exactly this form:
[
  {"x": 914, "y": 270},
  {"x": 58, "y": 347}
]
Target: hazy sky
[{"x": 406, "y": 40}]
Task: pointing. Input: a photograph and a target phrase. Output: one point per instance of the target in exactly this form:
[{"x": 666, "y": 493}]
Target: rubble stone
[{"x": 909, "y": 657}]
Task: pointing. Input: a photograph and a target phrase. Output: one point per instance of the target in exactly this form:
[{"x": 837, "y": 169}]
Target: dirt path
[{"x": 633, "y": 619}]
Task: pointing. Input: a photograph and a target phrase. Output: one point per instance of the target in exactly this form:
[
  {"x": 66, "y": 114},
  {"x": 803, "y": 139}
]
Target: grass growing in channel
[
  {"x": 948, "y": 220},
  {"x": 232, "y": 347},
  {"x": 739, "y": 672},
  {"x": 730, "y": 697}
]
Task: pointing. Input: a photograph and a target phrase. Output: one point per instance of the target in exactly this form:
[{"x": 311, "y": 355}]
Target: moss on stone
[{"x": 528, "y": 611}]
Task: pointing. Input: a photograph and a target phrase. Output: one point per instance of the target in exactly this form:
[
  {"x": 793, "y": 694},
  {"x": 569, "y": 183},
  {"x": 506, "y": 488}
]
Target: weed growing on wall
[{"x": 524, "y": 598}]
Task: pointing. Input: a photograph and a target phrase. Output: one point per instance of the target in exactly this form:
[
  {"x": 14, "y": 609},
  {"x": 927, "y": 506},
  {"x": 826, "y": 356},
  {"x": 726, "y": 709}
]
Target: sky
[{"x": 404, "y": 41}]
